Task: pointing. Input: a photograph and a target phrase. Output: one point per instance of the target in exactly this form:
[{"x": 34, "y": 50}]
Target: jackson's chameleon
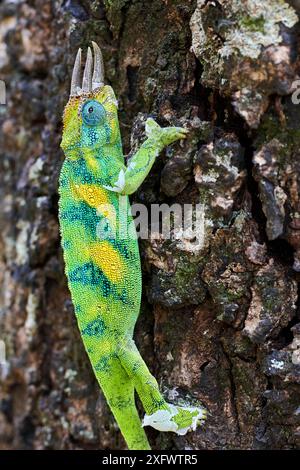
[{"x": 101, "y": 254}]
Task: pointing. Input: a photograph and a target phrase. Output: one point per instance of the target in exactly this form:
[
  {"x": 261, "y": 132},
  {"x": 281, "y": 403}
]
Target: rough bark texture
[{"x": 219, "y": 323}]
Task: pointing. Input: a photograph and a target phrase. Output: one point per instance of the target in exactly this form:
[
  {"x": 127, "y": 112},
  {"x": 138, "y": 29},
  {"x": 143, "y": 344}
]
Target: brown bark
[{"x": 219, "y": 324}]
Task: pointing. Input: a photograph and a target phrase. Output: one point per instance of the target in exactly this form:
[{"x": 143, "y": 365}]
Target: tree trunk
[{"x": 220, "y": 320}]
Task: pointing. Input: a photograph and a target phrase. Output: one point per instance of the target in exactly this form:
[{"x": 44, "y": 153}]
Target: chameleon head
[{"x": 90, "y": 116}]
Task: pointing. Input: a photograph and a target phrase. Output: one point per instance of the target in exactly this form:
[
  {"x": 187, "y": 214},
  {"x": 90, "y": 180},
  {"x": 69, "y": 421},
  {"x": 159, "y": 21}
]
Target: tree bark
[{"x": 219, "y": 322}]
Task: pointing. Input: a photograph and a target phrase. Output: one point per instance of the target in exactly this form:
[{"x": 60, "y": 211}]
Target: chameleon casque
[{"x": 101, "y": 254}]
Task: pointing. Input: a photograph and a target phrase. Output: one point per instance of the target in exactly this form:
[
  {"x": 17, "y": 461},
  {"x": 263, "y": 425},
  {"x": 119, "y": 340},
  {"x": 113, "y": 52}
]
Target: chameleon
[{"x": 101, "y": 251}]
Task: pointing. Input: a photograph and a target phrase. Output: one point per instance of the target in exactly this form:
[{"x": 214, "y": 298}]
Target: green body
[{"x": 102, "y": 260}]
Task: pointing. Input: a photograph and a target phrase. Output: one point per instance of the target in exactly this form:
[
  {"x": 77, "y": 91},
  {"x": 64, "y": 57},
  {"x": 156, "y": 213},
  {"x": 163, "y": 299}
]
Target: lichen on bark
[{"x": 232, "y": 38}]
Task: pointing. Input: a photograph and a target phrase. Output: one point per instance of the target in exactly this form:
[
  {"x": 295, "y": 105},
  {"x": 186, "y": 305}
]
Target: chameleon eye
[{"x": 93, "y": 113}]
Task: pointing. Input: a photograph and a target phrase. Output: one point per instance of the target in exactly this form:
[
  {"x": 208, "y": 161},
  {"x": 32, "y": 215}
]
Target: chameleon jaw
[{"x": 93, "y": 77}]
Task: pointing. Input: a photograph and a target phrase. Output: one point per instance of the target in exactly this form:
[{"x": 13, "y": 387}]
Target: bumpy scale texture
[{"x": 102, "y": 259}]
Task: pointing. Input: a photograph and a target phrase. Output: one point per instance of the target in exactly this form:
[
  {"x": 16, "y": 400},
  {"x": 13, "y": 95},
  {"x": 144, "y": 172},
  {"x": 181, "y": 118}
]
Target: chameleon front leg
[
  {"x": 140, "y": 164},
  {"x": 160, "y": 415}
]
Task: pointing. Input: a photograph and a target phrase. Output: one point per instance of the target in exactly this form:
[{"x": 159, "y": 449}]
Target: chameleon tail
[
  {"x": 159, "y": 414},
  {"x": 118, "y": 389}
]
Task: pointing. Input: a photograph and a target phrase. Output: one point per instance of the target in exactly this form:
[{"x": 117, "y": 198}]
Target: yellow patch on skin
[
  {"x": 108, "y": 260},
  {"x": 96, "y": 197},
  {"x": 105, "y": 95},
  {"x": 114, "y": 128},
  {"x": 71, "y": 110},
  {"x": 72, "y": 126},
  {"x": 93, "y": 195},
  {"x": 92, "y": 163},
  {"x": 105, "y": 347}
]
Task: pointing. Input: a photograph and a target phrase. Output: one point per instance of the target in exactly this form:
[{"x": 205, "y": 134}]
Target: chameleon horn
[
  {"x": 98, "y": 75},
  {"x": 87, "y": 74},
  {"x": 76, "y": 82}
]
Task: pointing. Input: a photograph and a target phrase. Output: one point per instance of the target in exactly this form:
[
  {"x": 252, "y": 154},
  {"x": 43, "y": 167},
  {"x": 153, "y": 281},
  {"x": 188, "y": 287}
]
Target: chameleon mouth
[{"x": 93, "y": 77}]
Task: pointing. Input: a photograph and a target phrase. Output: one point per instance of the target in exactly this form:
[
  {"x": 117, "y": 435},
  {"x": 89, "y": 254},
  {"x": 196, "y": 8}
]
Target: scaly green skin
[{"x": 103, "y": 263}]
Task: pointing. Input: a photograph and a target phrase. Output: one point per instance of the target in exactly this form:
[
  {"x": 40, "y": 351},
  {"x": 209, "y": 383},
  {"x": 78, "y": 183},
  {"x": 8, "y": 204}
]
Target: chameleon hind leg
[
  {"x": 118, "y": 389},
  {"x": 160, "y": 415}
]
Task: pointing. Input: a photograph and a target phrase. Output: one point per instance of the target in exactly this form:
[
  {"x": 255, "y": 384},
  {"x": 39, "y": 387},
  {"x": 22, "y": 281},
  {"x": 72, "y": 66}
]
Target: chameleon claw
[
  {"x": 182, "y": 132},
  {"x": 110, "y": 188},
  {"x": 119, "y": 184},
  {"x": 131, "y": 165},
  {"x": 162, "y": 420},
  {"x": 165, "y": 420},
  {"x": 182, "y": 135}
]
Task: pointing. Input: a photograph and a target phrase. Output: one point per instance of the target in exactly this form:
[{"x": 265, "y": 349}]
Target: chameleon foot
[
  {"x": 164, "y": 135},
  {"x": 179, "y": 419}
]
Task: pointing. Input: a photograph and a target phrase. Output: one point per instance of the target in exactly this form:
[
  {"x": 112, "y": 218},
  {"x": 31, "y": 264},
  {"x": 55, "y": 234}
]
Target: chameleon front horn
[
  {"x": 87, "y": 74},
  {"x": 98, "y": 75},
  {"x": 76, "y": 75}
]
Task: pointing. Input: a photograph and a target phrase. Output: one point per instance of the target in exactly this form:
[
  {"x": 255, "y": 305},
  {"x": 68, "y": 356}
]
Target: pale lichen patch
[
  {"x": 243, "y": 51},
  {"x": 31, "y": 322},
  {"x": 6, "y": 25},
  {"x": 277, "y": 364},
  {"x": 256, "y": 25},
  {"x": 36, "y": 169},
  {"x": 22, "y": 242}
]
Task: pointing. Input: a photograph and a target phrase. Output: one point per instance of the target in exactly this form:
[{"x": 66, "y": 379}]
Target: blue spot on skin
[
  {"x": 63, "y": 181},
  {"x": 122, "y": 248},
  {"x": 66, "y": 244},
  {"x": 81, "y": 172},
  {"x": 123, "y": 297},
  {"x": 103, "y": 364},
  {"x": 77, "y": 309},
  {"x": 107, "y": 132},
  {"x": 87, "y": 274},
  {"x": 94, "y": 328},
  {"x": 81, "y": 212},
  {"x": 106, "y": 288}
]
